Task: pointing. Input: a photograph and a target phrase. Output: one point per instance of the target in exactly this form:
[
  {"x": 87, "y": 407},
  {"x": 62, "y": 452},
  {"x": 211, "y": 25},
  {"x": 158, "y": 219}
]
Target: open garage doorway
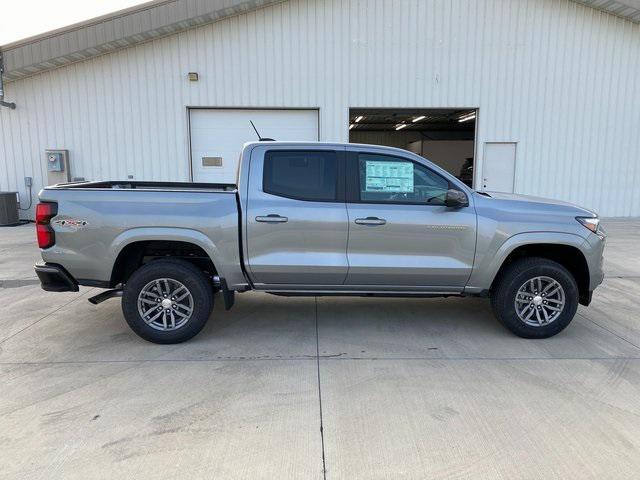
[{"x": 444, "y": 136}]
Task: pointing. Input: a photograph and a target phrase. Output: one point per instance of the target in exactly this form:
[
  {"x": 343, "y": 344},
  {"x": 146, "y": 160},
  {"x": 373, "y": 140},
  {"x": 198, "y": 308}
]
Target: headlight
[{"x": 592, "y": 223}]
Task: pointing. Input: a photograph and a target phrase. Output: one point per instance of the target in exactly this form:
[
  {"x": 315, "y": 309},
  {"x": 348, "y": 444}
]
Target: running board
[
  {"x": 348, "y": 293},
  {"x": 101, "y": 297}
]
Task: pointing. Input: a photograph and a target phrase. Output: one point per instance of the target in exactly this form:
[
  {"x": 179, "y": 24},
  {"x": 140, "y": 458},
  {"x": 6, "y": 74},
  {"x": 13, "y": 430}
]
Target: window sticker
[{"x": 389, "y": 177}]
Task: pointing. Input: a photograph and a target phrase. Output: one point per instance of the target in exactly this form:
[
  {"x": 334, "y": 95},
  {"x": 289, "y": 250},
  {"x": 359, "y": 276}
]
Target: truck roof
[{"x": 326, "y": 144}]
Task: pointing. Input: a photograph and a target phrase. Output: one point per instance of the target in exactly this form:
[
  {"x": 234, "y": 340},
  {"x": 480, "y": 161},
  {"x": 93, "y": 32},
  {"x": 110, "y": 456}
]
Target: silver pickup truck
[{"x": 317, "y": 219}]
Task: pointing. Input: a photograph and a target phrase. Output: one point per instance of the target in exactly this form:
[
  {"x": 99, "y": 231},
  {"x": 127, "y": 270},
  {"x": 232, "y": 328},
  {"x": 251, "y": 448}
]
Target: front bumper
[
  {"x": 595, "y": 259},
  {"x": 54, "y": 278}
]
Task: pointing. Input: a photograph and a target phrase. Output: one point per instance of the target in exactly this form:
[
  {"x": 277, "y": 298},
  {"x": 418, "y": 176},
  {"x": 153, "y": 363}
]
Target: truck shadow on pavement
[{"x": 262, "y": 326}]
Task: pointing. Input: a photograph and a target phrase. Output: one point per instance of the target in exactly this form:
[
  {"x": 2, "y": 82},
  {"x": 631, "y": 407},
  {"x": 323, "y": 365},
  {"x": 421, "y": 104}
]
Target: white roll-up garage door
[{"x": 217, "y": 136}]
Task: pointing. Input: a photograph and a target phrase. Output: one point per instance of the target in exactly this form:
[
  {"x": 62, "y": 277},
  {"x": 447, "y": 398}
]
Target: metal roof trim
[{"x": 114, "y": 31}]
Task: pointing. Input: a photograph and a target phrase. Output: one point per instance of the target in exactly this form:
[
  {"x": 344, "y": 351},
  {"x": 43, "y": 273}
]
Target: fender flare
[
  {"x": 143, "y": 234},
  {"x": 484, "y": 274}
]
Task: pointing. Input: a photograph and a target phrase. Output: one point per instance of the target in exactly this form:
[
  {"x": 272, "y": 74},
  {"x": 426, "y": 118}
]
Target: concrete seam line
[
  {"x": 610, "y": 331},
  {"x": 353, "y": 359},
  {"x": 47, "y": 315},
  {"x": 324, "y": 464}
]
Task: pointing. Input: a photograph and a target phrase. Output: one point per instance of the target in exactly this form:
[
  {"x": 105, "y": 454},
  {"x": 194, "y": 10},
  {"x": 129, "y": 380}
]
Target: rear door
[
  {"x": 400, "y": 232},
  {"x": 296, "y": 217}
]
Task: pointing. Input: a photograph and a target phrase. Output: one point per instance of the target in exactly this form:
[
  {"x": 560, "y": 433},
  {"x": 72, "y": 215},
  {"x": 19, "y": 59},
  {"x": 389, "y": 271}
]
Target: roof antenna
[{"x": 262, "y": 139}]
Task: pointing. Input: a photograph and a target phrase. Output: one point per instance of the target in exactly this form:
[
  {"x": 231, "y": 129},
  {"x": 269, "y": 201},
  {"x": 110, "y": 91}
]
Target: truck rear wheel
[
  {"x": 535, "y": 298},
  {"x": 167, "y": 301}
]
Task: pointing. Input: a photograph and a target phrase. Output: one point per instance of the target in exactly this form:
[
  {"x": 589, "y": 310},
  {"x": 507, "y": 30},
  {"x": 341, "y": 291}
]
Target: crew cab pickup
[{"x": 317, "y": 219}]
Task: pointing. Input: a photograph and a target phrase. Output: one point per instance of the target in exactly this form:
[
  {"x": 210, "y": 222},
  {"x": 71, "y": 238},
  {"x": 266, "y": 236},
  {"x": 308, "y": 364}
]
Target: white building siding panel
[
  {"x": 221, "y": 133},
  {"x": 558, "y": 78}
]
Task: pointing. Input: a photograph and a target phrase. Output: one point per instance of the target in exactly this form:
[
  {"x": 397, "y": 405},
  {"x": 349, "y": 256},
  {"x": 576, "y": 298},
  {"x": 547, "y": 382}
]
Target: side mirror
[{"x": 456, "y": 199}]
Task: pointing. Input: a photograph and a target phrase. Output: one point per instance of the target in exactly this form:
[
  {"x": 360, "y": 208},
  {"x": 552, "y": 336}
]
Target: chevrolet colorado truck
[{"x": 317, "y": 219}]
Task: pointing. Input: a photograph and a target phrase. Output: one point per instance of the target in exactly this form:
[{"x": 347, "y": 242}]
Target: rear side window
[{"x": 303, "y": 175}]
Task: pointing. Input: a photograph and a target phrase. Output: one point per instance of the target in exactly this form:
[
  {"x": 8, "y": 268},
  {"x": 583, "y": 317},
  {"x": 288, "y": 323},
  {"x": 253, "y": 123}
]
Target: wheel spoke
[
  {"x": 180, "y": 305},
  {"x": 154, "y": 317},
  {"x": 530, "y": 314},
  {"x": 538, "y": 316},
  {"x": 149, "y": 293},
  {"x": 546, "y": 316},
  {"x": 553, "y": 292},
  {"x": 184, "y": 295},
  {"x": 175, "y": 292},
  {"x": 555, "y": 300}
]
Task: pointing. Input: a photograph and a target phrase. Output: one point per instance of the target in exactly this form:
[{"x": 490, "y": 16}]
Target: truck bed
[{"x": 95, "y": 221}]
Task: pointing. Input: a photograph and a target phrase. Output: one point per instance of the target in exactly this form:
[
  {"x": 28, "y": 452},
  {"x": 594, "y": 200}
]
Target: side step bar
[{"x": 101, "y": 297}]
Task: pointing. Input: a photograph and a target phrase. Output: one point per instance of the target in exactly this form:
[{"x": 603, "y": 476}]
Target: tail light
[{"x": 44, "y": 213}]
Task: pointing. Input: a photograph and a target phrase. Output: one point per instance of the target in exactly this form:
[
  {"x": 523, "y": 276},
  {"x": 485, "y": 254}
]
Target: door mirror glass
[{"x": 456, "y": 199}]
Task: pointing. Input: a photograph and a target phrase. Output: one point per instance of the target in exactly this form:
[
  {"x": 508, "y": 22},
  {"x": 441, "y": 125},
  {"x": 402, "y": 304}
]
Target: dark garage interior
[{"x": 444, "y": 136}]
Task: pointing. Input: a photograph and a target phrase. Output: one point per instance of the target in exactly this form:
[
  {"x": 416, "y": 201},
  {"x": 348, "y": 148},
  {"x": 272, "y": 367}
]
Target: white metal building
[{"x": 552, "y": 87}]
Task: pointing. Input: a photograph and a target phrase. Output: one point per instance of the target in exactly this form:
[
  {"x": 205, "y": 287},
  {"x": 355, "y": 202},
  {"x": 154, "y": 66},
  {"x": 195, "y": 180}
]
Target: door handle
[
  {"x": 372, "y": 221},
  {"x": 272, "y": 218}
]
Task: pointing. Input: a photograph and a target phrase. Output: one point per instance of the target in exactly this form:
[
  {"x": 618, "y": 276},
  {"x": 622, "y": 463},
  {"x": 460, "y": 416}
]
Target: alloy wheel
[
  {"x": 539, "y": 301},
  {"x": 165, "y": 304}
]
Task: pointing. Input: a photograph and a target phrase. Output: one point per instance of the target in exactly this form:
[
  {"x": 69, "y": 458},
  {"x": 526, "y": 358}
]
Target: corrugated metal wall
[{"x": 557, "y": 77}]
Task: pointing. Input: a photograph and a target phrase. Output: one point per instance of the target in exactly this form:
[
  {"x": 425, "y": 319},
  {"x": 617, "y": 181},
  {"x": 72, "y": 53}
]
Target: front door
[
  {"x": 400, "y": 232},
  {"x": 296, "y": 217}
]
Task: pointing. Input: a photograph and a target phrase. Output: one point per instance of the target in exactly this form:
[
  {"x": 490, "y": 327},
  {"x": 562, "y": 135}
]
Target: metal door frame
[{"x": 515, "y": 162}]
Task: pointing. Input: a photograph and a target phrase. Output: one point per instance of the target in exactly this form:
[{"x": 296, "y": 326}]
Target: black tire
[
  {"x": 503, "y": 296},
  {"x": 191, "y": 278}
]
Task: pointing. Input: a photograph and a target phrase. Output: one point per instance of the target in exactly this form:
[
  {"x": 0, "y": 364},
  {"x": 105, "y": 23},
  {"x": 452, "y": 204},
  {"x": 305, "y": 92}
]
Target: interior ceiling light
[
  {"x": 401, "y": 126},
  {"x": 466, "y": 117},
  {"x": 417, "y": 119},
  {"x": 358, "y": 118},
  {"x": 351, "y": 126}
]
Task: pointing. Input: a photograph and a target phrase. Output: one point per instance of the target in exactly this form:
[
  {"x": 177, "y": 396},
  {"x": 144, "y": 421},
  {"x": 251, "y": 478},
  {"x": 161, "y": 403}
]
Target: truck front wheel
[
  {"x": 535, "y": 297},
  {"x": 167, "y": 301}
]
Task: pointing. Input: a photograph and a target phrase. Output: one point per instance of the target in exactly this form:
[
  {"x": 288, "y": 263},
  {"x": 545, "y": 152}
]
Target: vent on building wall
[{"x": 211, "y": 161}]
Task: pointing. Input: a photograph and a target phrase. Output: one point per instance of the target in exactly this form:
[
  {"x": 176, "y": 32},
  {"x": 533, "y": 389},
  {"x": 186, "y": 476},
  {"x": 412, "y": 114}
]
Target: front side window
[
  {"x": 395, "y": 180},
  {"x": 303, "y": 175}
]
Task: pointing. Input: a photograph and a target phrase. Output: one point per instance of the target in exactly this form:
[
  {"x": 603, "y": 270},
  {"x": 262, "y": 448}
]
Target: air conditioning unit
[{"x": 9, "y": 208}]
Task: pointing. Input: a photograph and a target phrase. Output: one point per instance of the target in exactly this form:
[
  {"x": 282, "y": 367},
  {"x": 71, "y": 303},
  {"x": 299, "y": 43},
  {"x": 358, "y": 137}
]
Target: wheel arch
[
  {"x": 565, "y": 250},
  {"x": 134, "y": 247}
]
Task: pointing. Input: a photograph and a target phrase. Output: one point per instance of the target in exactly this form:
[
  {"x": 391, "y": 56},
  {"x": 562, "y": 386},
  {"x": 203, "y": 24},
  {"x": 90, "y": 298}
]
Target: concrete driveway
[{"x": 302, "y": 388}]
